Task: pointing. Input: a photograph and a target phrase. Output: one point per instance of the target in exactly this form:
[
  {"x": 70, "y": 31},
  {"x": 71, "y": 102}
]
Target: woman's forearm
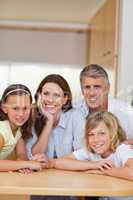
[{"x": 42, "y": 143}]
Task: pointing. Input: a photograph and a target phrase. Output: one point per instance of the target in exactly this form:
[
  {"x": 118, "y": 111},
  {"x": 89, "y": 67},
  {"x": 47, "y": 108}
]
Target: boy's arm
[
  {"x": 125, "y": 172},
  {"x": 70, "y": 163}
]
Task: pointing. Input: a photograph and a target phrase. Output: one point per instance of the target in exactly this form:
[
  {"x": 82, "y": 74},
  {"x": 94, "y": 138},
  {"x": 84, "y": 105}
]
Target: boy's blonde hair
[{"x": 117, "y": 134}]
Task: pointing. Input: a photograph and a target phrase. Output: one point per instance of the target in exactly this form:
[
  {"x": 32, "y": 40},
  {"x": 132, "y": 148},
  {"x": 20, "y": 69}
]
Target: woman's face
[
  {"x": 52, "y": 98},
  {"x": 99, "y": 140}
]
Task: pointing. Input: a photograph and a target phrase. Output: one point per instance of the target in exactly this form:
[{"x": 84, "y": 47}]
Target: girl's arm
[
  {"x": 1, "y": 141},
  {"x": 125, "y": 172},
  {"x": 12, "y": 165},
  {"x": 20, "y": 150},
  {"x": 42, "y": 143}
]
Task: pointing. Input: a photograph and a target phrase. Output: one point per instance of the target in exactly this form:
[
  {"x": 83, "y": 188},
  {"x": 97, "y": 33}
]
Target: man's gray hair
[{"x": 94, "y": 71}]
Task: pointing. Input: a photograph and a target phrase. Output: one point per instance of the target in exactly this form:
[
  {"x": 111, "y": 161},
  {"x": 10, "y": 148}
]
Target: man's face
[{"x": 95, "y": 92}]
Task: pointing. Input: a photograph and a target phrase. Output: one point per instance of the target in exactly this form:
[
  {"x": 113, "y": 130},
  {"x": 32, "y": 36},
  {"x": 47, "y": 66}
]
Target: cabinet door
[
  {"x": 96, "y": 48},
  {"x": 110, "y": 32},
  {"x": 102, "y": 35}
]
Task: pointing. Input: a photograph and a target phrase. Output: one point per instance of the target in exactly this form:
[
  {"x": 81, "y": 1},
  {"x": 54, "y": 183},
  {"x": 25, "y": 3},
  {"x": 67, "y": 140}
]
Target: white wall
[
  {"x": 125, "y": 71},
  {"x": 46, "y": 47}
]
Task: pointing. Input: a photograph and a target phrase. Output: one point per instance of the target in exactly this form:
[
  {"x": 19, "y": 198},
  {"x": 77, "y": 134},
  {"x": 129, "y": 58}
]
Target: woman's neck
[{"x": 56, "y": 119}]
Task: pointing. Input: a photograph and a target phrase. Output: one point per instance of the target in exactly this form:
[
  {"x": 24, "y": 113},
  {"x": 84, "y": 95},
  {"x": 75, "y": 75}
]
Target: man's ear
[
  {"x": 108, "y": 88},
  {"x": 4, "y": 108}
]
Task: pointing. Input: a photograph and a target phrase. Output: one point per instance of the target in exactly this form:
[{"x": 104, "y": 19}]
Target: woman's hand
[
  {"x": 42, "y": 158},
  {"x": 48, "y": 115}
]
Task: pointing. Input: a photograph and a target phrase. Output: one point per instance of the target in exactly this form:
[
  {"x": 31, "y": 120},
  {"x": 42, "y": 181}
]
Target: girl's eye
[
  {"x": 26, "y": 108},
  {"x": 15, "y": 108}
]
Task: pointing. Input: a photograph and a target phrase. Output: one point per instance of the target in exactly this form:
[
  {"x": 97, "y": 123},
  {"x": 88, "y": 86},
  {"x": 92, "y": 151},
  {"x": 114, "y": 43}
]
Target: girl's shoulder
[{"x": 4, "y": 123}]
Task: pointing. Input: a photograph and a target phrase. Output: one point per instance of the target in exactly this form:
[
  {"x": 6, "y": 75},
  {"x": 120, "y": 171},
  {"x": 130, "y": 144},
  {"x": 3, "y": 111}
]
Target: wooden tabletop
[{"x": 59, "y": 182}]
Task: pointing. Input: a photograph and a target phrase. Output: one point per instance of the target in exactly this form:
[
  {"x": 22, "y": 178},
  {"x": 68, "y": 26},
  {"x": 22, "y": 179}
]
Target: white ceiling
[{"x": 66, "y": 11}]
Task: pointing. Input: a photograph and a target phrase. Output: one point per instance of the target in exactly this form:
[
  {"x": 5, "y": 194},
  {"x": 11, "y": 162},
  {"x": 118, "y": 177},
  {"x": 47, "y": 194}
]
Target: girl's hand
[
  {"x": 104, "y": 164},
  {"x": 29, "y": 166},
  {"x": 42, "y": 158},
  {"x": 25, "y": 171}
]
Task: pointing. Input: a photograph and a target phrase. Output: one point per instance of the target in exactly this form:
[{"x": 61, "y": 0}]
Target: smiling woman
[{"x": 53, "y": 130}]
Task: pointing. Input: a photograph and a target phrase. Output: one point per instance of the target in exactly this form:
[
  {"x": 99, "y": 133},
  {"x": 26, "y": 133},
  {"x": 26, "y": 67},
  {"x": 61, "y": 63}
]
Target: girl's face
[
  {"x": 99, "y": 140},
  {"x": 17, "y": 109},
  {"x": 52, "y": 98}
]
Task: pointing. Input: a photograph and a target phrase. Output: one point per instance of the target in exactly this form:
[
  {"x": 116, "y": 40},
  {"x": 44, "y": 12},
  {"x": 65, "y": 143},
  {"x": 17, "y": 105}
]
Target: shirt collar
[{"x": 63, "y": 120}]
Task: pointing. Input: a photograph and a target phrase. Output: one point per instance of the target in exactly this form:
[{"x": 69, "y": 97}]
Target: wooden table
[{"x": 59, "y": 182}]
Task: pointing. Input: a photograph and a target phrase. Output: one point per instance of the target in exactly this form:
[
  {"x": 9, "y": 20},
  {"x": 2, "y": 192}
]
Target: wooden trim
[{"x": 49, "y": 27}]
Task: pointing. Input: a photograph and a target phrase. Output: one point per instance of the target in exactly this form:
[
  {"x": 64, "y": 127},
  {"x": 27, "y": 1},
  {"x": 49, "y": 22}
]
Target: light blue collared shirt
[
  {"x": 122, "y": 110},
  {"x": 63, "y": 138}
]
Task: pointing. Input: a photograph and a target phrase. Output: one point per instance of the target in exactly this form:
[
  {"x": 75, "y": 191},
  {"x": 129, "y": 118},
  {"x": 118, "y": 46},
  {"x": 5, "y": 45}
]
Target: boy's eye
[{"x": 90, "y": 134}]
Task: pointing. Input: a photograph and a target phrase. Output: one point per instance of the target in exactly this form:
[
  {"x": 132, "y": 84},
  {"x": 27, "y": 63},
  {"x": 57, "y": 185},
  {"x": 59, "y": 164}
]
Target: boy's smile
[{"x": 99, "y": 140}]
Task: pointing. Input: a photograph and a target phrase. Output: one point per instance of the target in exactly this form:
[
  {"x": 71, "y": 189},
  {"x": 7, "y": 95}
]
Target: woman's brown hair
[{"x": 40, "y": 119}]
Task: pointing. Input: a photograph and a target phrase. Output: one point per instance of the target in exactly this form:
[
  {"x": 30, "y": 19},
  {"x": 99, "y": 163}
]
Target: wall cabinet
[{"x": 103, "y": 28}]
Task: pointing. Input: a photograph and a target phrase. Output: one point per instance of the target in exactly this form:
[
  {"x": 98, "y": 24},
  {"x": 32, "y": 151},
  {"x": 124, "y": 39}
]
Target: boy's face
[
  {"x": 95, "y": 92},
  {"x": 99, "y": 140}
]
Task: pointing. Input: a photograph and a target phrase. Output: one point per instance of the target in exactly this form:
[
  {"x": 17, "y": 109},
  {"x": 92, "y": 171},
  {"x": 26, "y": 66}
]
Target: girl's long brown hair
[{"x": 18, "y": 89}]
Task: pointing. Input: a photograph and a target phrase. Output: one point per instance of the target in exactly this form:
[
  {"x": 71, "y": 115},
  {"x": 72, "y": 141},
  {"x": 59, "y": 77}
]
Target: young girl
[
  {"x": 104, "y": 150},
  {"x": 15, "y": 127}
]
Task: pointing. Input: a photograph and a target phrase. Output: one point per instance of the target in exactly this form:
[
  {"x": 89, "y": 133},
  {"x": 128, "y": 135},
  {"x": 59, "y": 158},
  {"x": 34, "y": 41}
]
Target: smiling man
[{"x": 95, "y": 88}]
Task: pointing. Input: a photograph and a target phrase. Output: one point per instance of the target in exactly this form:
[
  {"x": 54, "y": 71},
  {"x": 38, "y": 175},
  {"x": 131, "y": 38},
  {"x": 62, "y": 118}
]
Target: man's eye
[
  {"x": 87, "y": 87},
  {"x": 97, "y": 87}
]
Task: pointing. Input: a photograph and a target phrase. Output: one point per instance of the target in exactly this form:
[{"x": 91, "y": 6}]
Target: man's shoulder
[
  {"x": 115, "y": 104},
  {"x": 77, "y": 103}
]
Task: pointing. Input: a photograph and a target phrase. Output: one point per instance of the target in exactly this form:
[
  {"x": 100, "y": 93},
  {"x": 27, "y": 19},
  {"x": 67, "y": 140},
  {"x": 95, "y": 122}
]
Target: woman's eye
[
  {"x": 46, "y": 93},
  {"x": 57, "y": 95}
]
